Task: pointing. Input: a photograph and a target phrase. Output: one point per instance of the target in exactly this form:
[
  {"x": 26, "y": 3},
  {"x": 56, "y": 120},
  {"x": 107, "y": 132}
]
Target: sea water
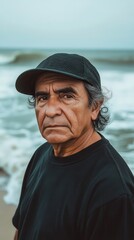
[{"x": 19, "y": 134}]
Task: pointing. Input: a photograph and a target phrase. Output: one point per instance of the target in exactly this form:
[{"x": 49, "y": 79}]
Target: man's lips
[{"x": 54, "y": 126}]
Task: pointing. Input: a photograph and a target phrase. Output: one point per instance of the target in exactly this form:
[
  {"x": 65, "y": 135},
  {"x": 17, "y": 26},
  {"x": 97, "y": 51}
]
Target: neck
[{"x": 76, "y": 145}]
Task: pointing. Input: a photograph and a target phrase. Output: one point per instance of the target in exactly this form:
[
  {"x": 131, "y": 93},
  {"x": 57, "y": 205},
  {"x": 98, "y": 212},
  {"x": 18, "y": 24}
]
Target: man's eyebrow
[
  {"x": 58, "y": 91},
  {"x": 41, "y": 93},
  {"x": 65, "y": 90}
]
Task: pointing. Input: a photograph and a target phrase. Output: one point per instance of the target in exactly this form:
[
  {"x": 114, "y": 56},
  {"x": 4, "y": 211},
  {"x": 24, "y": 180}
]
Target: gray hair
[{"x": 97, "y": 96}]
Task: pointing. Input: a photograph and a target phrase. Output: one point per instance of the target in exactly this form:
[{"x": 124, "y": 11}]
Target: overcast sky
[{"x": 67, "y": 23}]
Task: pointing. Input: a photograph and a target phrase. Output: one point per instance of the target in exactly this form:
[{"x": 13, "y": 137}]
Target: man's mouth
[{"x": 55, "y": 126}]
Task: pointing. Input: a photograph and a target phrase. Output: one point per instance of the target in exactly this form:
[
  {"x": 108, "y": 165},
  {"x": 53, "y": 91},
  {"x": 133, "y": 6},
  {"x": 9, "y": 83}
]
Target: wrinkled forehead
[{"x": 57, "y": 78}]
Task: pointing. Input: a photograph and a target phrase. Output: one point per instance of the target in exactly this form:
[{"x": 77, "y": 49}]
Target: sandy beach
[{"x": 6, "y": 212}]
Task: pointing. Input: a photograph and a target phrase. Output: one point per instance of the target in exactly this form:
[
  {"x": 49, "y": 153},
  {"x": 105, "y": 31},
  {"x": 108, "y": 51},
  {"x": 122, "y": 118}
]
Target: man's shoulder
[
  {"x": 39, "y": 155},
  {"x": 42, "y": 148},
  {"x": 111, "y": 177}
]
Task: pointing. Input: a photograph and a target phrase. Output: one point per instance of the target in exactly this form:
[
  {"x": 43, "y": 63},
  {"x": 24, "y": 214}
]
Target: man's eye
[
  {"x": 66, "y": 95},
  {"x": 42, "y": 98}
]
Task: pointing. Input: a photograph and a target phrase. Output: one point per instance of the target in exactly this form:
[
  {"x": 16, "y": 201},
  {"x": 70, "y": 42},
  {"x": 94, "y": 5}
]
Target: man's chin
[
  {"x": 56, "y": 139},
  {"x": 57, "y": 136}
]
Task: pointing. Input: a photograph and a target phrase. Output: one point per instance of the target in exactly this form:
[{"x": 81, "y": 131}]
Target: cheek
[
  {"x": 39, "y": 117},
  {"x": 78, "y": 119},
  {"x": 83, "y": 119},
  {"x": 72, "y": 116}
]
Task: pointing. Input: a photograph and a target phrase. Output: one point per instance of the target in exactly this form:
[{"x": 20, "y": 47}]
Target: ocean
[{"x": 19, "y": 134}]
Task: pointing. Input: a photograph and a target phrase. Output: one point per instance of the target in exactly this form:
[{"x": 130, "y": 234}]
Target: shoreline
[{"x": 7, "y": 229}]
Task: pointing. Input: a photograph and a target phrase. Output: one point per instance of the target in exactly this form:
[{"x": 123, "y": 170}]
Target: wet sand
[{"x": 7, "y": 230}]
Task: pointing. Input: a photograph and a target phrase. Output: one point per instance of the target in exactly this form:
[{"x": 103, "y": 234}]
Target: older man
[{"x": 76, "y": 186}]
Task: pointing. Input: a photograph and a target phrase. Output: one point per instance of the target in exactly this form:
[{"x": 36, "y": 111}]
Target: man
[{"x": 76, "y": 186}]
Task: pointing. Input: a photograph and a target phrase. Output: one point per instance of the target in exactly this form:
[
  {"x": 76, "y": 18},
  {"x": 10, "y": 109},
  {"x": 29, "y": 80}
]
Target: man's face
[{"x": 62, "y": 108}]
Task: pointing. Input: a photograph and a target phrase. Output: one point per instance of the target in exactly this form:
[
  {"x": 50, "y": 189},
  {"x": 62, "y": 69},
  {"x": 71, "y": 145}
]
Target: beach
[{"x": 7, "y": 230}]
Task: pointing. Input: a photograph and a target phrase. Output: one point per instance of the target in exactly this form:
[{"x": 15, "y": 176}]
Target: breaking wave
[{"x": 18, "y": 57}]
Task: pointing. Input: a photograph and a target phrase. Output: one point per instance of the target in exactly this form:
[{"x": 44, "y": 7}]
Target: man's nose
[{"x": 52, "y": 107}]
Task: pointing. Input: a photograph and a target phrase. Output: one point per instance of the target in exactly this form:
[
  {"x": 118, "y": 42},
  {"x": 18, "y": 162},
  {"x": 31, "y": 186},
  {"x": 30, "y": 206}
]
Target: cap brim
[{"x": 25, "y": 82}]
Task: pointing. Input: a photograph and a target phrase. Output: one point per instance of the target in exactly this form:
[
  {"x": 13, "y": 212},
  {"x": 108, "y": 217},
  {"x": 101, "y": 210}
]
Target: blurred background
[{"x": 102, "y": 31}]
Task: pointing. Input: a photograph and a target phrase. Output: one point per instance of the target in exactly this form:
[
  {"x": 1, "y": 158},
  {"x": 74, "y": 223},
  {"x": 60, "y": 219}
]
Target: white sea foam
[
  {"x": 7, "y": 58},
  {"x": 121, "y": 84},
  {"x": 14, "y": 157}
]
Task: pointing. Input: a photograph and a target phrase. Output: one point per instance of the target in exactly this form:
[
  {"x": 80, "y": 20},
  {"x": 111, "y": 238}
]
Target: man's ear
[{"x": 95, "y": 109}]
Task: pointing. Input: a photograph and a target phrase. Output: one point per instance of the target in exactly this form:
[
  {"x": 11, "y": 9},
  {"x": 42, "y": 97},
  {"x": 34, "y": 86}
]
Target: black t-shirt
[{"x": 85, "y": 196}]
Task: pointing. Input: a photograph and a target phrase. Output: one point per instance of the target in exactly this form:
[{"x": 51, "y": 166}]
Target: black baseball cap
[{"x": 72, "y": 65}]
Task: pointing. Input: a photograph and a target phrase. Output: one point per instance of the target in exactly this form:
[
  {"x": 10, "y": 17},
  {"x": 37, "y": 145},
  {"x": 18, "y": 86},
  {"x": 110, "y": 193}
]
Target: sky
[{"x": 92, "y": 24}]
